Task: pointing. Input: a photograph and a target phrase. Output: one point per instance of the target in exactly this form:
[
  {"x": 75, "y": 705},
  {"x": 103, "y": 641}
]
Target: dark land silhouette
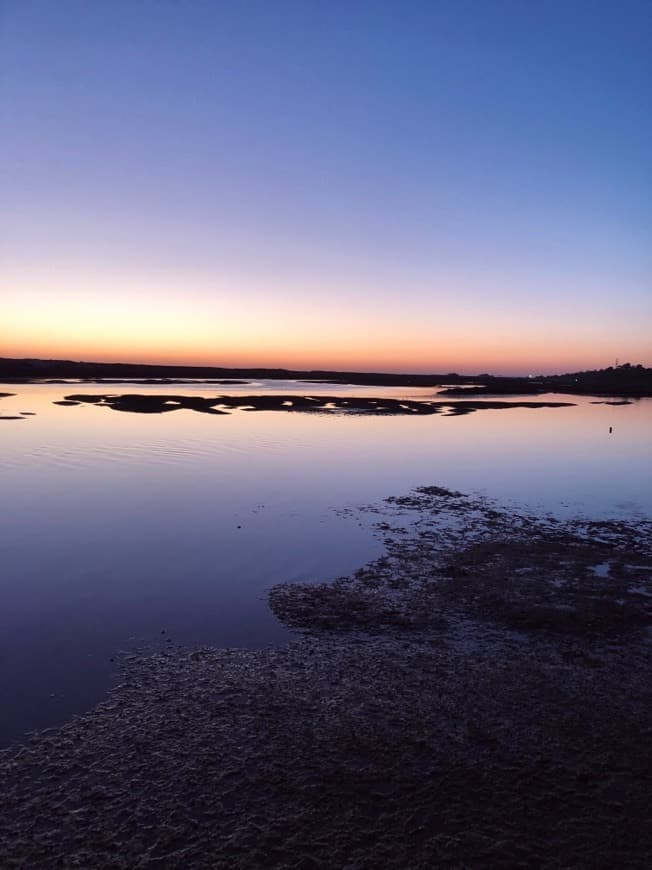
[
  {"x": 624, "y": 380},
  {"x": 148, "y": 404}
]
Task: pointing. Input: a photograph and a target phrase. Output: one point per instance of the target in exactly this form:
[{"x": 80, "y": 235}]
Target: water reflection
[{"x": 117, "y": 527}]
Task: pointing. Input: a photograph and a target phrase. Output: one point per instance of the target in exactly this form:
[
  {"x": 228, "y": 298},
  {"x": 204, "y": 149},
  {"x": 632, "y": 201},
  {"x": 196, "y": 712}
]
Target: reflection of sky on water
[{"x": 117, "y": 526}]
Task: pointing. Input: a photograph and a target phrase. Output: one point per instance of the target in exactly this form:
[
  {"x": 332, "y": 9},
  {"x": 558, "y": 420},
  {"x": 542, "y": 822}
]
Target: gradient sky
[{"x": 425, "y": 186}]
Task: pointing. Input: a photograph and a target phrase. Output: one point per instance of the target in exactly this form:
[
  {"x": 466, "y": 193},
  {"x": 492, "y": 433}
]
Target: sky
[{"x": 451, "y": 185}]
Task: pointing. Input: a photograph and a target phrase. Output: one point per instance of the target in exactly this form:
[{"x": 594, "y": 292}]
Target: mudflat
[
  {"x": 153, "y": 404},
  {"x": 478, "y": 697}
]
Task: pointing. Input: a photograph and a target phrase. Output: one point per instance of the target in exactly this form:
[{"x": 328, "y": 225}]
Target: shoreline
[
  {"x": 624, "y": 381},
  {"x": 478, "y": 696}
]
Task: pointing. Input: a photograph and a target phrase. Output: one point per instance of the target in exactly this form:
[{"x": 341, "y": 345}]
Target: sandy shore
[{"x": 479, "y": 697}]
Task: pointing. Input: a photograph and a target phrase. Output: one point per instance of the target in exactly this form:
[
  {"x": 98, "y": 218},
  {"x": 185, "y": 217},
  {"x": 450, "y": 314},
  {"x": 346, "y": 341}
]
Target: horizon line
[{"x": 262, "y": 368}]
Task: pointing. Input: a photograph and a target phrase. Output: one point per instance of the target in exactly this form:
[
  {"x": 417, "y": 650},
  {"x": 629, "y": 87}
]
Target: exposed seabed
[{"x": 478, "y": 697}]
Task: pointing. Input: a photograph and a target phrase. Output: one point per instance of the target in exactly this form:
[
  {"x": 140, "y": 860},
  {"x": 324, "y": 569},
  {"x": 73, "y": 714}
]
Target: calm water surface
[{"x": 122, "y": 529}]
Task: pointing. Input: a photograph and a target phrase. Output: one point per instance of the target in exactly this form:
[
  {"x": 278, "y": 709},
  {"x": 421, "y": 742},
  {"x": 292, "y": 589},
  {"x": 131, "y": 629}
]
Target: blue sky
[{"x": 454, "y": 185}]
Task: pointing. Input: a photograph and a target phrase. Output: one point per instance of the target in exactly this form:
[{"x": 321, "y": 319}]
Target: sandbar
[{"x": 153, "y": 404}]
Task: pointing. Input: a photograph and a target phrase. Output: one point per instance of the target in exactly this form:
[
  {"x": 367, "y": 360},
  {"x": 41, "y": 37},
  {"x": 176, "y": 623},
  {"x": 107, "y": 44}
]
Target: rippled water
[{"x": 119, "y": 529}]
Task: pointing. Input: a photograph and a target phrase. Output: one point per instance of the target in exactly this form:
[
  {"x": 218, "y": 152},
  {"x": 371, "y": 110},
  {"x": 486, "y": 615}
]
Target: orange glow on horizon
[
  {"x": 236, "y": 331},
  {"x": 397, "y": 359}
]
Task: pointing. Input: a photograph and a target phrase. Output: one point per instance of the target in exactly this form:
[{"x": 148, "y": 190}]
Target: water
[{"x": 122, "y": 529}]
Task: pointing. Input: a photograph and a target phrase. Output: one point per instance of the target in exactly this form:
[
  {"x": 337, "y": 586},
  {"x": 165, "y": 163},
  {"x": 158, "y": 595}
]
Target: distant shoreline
[{"x": 621, "y": 381}]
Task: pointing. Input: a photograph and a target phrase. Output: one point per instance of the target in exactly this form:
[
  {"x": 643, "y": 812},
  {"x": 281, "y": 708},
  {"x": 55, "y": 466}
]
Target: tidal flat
[
  {"x": 478, "y": 696},
  {"x": 157, "y": 404}
]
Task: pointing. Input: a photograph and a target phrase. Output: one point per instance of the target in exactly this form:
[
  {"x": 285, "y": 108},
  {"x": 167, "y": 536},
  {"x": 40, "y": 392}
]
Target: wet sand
[{"x": 478, "y": 697}]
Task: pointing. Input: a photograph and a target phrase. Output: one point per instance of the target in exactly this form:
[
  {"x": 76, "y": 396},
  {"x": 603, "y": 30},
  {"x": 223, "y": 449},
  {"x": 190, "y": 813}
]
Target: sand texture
[{"x": 479, "y": 697}]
